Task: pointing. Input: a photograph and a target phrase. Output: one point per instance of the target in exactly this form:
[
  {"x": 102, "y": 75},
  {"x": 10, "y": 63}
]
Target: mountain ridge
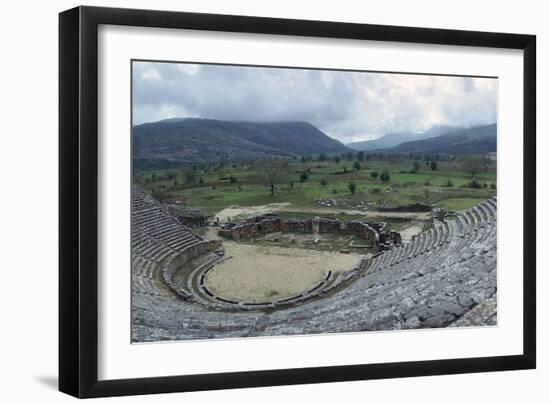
[
  {"x": 187, "y": 140},
  {"x": 396, "y": 138},
  {"x": 474, "y": 140}
]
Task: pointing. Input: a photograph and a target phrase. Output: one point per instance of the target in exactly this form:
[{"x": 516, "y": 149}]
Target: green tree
[
  {"x": 336, "y": 159},
  {"x": 416, "y": 166},
  {"x": 352, "y": 186},
  {"x": 361, "y": 156},
  {"x": 322, "y": 157},
  {"x": 433, "y": 165},
  {"x": 374, "y": 174},
  {"x": 385, "y": 176},
  {"x": 304, "y": 176},
  {"x": 356, "y": 165},
  {"x": 303, "y": 159},
  {"x": 324, "y": 182}
]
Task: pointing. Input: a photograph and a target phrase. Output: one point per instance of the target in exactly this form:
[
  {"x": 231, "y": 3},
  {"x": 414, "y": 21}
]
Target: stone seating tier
[{"x": 446, "y": 276}]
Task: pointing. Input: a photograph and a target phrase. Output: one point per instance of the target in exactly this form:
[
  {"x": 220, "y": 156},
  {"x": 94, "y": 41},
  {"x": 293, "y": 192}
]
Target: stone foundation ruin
[{"x": 378, "y": 234}]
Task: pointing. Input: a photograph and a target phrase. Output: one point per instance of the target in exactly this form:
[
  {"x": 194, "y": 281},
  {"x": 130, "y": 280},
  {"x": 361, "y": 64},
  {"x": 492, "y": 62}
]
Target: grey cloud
[{"x": 346, "y": 105}]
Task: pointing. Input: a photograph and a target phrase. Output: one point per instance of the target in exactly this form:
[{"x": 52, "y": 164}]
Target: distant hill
[
  {"x": 184, "y": 140},
  {"x": 475, "y": 140},
  {"x": 394, "y": 139}
]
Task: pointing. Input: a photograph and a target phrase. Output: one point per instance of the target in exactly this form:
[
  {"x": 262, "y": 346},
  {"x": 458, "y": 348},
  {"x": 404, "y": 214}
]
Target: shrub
[
  {"x": 232, "y": 179},
  {"x": 324, "y": 182},
  {"x": 304, "y": 176},
  {"x": 473, "y": 184},
  {"x": 385, "y": 176},
  {"x": 375, "y": 190},
  {"x": 352, "y": 186},
  {"x": 374, "y": 174},
  {"x": 493, "y": 185}
]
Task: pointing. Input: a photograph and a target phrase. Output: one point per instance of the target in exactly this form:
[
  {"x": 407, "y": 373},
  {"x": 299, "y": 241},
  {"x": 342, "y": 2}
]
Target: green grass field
[{"x": 212, "y": 189}]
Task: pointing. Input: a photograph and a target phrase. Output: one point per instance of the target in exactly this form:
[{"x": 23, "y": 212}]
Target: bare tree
[
  {"x": 487, "y": 162},
  {"x": 273, "y": 170},
  {"x": 472, "y": 166},
  {"x": 190, "y": 177}
]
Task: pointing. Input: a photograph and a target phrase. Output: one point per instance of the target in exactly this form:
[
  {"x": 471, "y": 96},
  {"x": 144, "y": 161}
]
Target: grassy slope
[{"x": 251, "y": 189}]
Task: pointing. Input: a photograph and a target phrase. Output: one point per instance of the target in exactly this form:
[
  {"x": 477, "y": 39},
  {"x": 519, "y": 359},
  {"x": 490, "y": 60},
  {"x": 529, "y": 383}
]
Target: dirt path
[
  {"x": 234, "y": 211},
  {"x": 259, "y": 273}
]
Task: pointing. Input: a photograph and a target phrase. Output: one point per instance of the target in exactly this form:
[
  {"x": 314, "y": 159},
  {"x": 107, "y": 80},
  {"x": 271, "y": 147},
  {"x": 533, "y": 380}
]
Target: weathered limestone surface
[
  {"x": 446, "y": 276},
  {"x": 157, "y": 238}
]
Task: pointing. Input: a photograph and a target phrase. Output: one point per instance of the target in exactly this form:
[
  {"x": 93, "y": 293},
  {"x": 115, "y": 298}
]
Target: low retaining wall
[
  {"x": 186, "y": 255},
  {"x": 412, "y": 207},
  {"x": 265, "y": 224},
  {"x": 331, "y": 282}
]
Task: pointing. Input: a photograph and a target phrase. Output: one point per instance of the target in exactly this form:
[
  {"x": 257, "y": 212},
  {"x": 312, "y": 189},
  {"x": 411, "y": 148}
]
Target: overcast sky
[{"x": 348, "y": 106}]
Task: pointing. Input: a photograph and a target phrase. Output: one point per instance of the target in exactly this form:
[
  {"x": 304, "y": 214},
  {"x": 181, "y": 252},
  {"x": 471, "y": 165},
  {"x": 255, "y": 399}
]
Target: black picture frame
[{"x": 78, "y": 200}]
